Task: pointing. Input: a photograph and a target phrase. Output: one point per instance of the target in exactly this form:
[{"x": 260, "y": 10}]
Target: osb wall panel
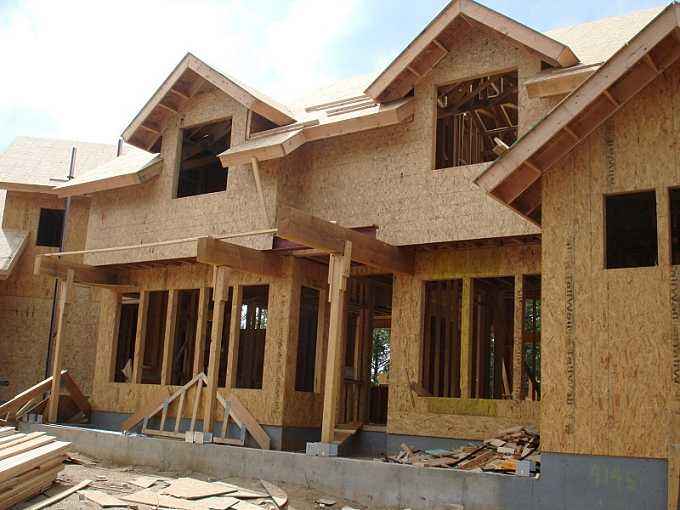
[
  {"x": 26, "y": 302},
  {"x": 610, "y": 338},
  {"x": 149, "y": 213},
  {"x": 448, "y": 417},
  {"x": 266, "y": 404},
  {"x": 304, "y": 409},
  {"x": 385, "y": 176}
]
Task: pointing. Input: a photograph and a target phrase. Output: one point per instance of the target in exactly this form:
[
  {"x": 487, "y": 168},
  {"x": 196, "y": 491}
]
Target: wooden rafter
[{"x": 308, "y": 230}]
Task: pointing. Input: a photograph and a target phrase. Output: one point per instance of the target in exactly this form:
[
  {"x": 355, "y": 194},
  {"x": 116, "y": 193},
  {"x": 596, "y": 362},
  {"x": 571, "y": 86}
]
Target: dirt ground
[{"x": 115, "y": 480}]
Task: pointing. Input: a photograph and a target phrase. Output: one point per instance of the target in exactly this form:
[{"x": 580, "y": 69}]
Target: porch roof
[{"x": 12, "y": 244}]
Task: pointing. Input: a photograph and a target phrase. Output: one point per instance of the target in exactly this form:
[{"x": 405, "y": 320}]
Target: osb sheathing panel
[
  {"x": 265, "y": 404},
  {"x": 149, "y": 213},
  {"x": 385, "y": 176},
  {"x": 449, "y": 417},
  {"x": 26, "y": 302},
  {"x": 303, "y": 409},
  {"x": 610, "y": 337}
]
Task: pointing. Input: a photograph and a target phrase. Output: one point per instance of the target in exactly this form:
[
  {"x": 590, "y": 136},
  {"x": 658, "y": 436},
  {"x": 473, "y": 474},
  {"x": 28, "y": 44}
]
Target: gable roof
[
  {"x": 190, "y": 77},
  {"x": 439, "y": 37},
  {"x": 40, "y": 164},
  {"x": 515, "y": 178}
]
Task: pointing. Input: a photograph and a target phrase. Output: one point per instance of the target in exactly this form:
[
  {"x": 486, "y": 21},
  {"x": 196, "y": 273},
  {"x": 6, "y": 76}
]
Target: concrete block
[
  {"x": 322, "y": 449},
  {"x": 524, "y": 468}
]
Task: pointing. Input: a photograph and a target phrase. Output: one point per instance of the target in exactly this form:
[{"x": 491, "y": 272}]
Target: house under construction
[{"x": 499, "y": 208}]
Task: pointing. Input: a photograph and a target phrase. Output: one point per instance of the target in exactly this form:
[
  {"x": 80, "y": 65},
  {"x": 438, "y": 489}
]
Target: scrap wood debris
[
  {"x": 185, "y": 494},
  {"x": 514, "y": 451}
]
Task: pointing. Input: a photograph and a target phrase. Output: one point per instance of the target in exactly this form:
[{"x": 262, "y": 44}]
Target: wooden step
[{"x": 345, "y": 431}]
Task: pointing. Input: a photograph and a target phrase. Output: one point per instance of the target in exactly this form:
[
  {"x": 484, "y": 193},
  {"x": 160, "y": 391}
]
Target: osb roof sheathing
[{"x": 39, "y": 164}]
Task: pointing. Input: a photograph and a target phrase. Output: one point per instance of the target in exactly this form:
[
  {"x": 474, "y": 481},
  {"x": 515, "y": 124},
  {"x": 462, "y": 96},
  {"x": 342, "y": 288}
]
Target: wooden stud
[
  {"x": 517, "y": 346},
  {"x": 466, "y": 339},
  {"x": 53, "y": 405},
  {"x": 140, "y": 337},
  {"x": 219, "y": 296},
  {"x": 169, "y": 339},
  {"x": 337, "y": 279},
  {"x": 180, "y": 411},
  {"x": 234, "y": 336},
  {"x": 321, "y": 342},
  {"x": 201, "y": 324}
]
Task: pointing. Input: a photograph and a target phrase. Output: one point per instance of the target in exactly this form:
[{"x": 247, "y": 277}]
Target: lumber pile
[
  {"x": 29, "y": 464},
  {"x": 513, "y": 452}
]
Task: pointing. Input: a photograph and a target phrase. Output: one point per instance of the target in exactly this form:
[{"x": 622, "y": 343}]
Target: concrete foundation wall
[{"x": 567, "y": 482}]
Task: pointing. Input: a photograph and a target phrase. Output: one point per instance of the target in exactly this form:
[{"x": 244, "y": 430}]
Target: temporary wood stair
[
  {"x": 34, "y": 401},
  {"x": 234, "y": 411}
]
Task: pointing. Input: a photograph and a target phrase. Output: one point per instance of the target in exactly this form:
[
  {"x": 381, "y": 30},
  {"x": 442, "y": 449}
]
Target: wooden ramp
[
  {"x": 34, "y": 401},
  {"x": 175, "y": 404}
]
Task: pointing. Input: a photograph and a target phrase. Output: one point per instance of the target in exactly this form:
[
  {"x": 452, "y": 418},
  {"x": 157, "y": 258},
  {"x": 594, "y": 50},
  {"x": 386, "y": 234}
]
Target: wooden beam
[
  {"x": 466, "y": 338},
  {"x": 140, "y": 337},
  {"x": 169, "y": 338},
  {"x": 201, "y": 325},
  {"x": 321, "y": 342},
  {"x": 53, "y": 405},
  {"x": 82, "y": 273},
  {"x": 234, "y": 335},
  {"x": 308, "y": 230},
  {"x": 212, "y": 251},
  {"x": 338, "y": 272},
  {"x": 219, "y": 297}
]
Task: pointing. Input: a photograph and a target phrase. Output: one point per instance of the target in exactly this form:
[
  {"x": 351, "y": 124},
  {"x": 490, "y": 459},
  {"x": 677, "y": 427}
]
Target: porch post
[
  {"x": 219, "y": 297},
  {"x": 338, "y": 272},
  {"x": 53, "y": 405}
]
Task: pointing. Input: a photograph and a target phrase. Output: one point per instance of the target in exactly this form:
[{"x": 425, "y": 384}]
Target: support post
[
  {"x": 169, "y": 338},
  {"x": 201, "y": 325},
  {"x": 140, "y": 337},
  {"x": 466, "y": 339},
  {"x": 53, "y": 405},
  {"x": 219, "y": 296},
  {"x": 258, "y": 184},
  {"x": 518, "y": 339},
  {"x": 338, "y": 272}
]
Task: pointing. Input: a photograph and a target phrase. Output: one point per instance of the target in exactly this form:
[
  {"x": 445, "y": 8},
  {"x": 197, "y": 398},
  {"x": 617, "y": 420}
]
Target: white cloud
[{"x": 89, "y": 66}]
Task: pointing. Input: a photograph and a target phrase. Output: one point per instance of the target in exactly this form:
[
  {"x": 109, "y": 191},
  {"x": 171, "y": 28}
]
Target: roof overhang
[
  {"x": 128, "y": 170},
  {"x": 26, "y": 187},
  {"x": 12, "y": 244},
  {"x": 280, "y": 142},
  {"x": 190, "y": 77},
  {"x": 439, "y": 37},
  {"x": 515, "y": 178}
]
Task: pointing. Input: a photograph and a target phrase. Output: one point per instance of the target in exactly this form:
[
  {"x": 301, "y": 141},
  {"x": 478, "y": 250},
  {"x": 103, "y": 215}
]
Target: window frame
[{"x": 44, "y": 211}]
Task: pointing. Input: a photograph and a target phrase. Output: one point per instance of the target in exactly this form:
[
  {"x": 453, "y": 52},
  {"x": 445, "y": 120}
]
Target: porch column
[
  {"x": 219, "y": 297},
  {"x": 466, "y": 339},
  {"x": 53, "y": 405},
  {"x": 338, "y": 272}
]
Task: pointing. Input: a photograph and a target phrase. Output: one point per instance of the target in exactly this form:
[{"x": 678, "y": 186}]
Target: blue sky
[{"x": 81, "y": 69}]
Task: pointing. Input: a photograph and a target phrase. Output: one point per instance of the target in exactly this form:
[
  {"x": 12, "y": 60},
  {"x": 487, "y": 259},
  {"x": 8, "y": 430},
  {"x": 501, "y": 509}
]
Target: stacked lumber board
[
  {"x": 514, "y": 452},
  {"x": 29, "y": 464}
]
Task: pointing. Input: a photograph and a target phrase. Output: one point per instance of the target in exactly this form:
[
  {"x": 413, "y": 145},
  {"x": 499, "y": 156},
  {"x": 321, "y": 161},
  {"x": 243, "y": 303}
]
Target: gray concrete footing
[{"x": 566, "y": 481}]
